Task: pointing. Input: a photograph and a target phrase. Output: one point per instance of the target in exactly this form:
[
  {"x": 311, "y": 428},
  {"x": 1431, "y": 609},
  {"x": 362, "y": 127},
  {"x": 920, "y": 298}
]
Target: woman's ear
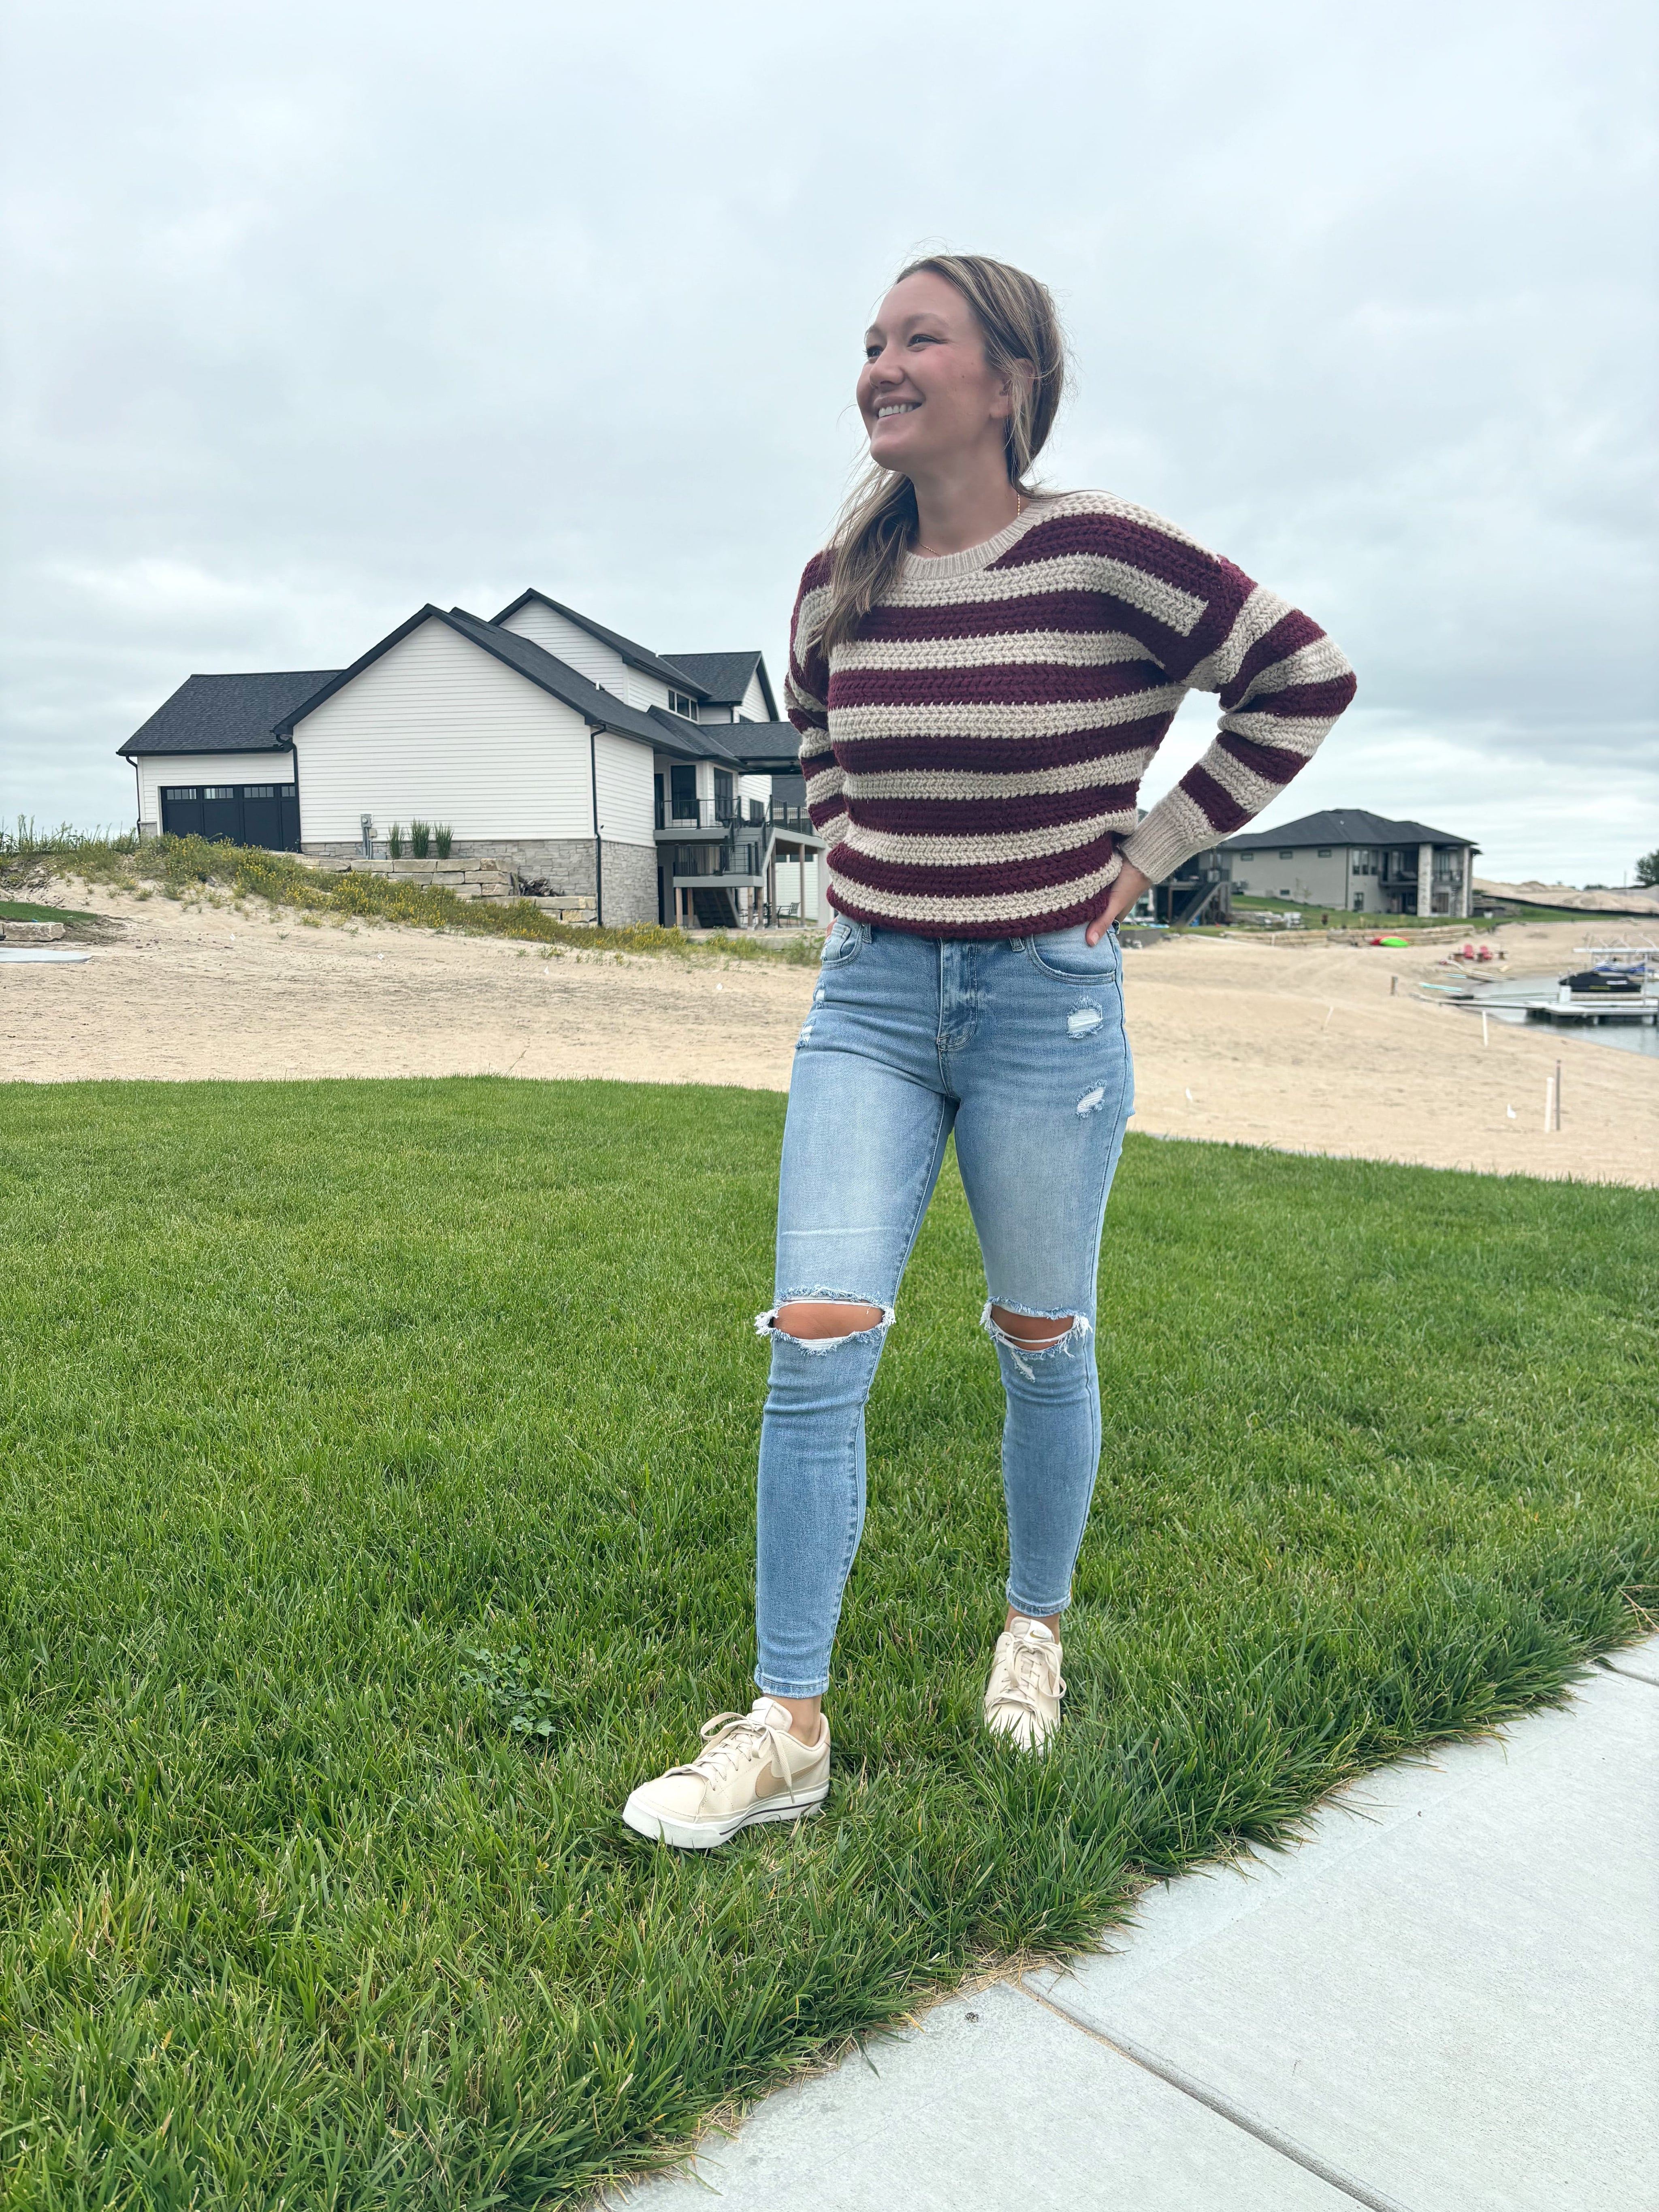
[{"x": 1021, "y": 375}]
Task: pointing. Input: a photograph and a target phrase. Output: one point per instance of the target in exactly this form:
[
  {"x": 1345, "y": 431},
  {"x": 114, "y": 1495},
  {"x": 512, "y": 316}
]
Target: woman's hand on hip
[{"x": 1126, "y": 888}]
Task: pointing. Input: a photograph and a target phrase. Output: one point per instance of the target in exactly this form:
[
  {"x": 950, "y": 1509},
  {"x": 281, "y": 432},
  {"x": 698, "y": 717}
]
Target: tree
[{"x": 1647, "y": 868}]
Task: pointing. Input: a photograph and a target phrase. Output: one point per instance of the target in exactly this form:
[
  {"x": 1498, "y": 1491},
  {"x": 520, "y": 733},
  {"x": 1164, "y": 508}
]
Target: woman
[{"x": 981, "y": 674}]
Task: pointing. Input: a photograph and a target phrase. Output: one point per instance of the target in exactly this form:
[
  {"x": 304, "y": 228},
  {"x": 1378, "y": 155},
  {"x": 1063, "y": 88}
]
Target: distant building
[
  {"x": 1357, "y": 862},
  {"x": 669, "y": 785}
]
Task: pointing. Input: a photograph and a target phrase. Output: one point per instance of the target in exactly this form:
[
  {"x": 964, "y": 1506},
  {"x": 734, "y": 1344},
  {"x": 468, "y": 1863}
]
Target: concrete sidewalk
[{"x": 1444, "y": 2000}]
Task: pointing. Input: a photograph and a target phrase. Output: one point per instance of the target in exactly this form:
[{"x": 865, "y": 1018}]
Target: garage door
[{"x": 265, "y": 814}]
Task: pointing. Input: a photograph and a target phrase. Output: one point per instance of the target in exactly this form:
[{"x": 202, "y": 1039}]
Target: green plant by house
[
  {"x": 442, "y": 838},
  {"x": 394, "y": 841},
  {"x": 420, "y": 839}
]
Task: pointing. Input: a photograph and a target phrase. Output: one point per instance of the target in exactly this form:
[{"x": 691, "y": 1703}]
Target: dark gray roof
[
  {"x": 764, "y": 748},
  {"x": 724, "y": 678},
  {"x": 636, "y": 656},
  {"x": 226, "y": 713},
  {"x": 1342, "y": 825}
]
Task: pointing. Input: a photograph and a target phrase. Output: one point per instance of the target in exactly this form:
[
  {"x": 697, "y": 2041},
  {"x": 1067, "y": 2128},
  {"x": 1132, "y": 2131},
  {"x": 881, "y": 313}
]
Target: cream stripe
[
  {"x": 1291, "y": 734},
  {"x": 982, "y": 849},
  {"x": 994, "y": 719},
  {"x": 1176, "y": 828},
  {"x": 1313, "y": 663},
  {"x": 946, "y": 783},
  {"x": 1255, "y": 619},
  {"x": 1069, "y": 572},
  {"x": 1069, "y": 649},
  {"x": 1250, "y": 789}
]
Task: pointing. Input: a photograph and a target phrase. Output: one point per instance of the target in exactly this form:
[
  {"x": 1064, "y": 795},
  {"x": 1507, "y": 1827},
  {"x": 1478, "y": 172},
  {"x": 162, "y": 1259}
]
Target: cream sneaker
[
  {"x": 1022, "y": 1698},
  {"x": 752, "y": 1769}
]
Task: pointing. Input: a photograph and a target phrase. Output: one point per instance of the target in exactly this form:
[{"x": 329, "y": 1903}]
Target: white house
[{"x": 668, "y": 785}]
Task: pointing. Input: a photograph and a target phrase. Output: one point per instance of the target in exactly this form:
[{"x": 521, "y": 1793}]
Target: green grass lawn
[
  {"x": 311, "y": 1393},
  {"x": 22, "y": 911}
]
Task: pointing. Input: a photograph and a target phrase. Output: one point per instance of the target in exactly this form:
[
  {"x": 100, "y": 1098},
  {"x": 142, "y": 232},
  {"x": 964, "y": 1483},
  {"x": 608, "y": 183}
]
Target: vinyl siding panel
[
  {"x": 569, "y": 642},
  {"x": 438, "y": 728},
  {"x": 156, "y": 769},
  {"x": 626, "y": 797},
  {"x": 753, "y": 708}
]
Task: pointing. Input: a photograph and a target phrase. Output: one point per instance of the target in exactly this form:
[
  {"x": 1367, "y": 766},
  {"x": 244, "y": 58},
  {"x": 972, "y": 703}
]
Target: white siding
[
  {"x": 626, "y": 809},
  {"x": 644, "y": 690},
  {"x": 753, "y": 708},
  {"x": 438, "y": 727},
  {"x": 754, "y": 786},
  {"x": 569, "y": 642},
  {"x": 156, "y": 769}
]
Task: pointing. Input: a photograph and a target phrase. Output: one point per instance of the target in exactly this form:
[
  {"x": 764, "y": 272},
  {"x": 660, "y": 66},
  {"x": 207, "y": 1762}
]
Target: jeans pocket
[
  {"x": 844, "y": 943},
  {"x": 1066, "y": 955}
]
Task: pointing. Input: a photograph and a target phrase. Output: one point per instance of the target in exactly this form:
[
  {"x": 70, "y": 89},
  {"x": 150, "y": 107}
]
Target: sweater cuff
[{"x": 1176, "y": 828}]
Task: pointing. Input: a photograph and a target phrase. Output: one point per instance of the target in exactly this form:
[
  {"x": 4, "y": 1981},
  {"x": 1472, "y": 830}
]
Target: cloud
[{"x": 317, "y": 316}]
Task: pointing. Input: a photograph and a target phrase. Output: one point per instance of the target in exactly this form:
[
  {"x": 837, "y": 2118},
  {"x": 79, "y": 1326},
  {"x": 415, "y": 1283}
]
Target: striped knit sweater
[{"x": 973, "y": 754}]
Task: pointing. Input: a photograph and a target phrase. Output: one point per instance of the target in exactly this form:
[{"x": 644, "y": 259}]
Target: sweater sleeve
[
  {"x": 806, "y": 693},
  {"x": 1282, "y": 683}
]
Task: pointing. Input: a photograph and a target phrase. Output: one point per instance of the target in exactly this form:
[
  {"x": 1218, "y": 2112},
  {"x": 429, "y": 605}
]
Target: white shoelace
[
  {"x": 1016, "y": 1682},
  {"x": 740, "y": 1738}
]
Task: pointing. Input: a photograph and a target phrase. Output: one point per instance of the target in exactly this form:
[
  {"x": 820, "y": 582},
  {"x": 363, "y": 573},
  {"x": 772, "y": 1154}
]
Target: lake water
[{"x": 1506, "y": 1002}]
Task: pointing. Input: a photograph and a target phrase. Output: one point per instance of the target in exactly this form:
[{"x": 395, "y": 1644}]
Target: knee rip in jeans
[
  {"x": 766, "y": 1324},
  {"x": 1072, "y": 1329}
]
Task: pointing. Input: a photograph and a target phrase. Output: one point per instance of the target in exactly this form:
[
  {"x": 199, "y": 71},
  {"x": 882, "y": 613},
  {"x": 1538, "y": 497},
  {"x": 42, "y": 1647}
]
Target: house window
[
  {"x": 683, "y": 792},
  {"x": 181, "y": 791},
  {"x": 218, "y": 791},
  {"x": 1289, "y": 853},
  {"x": 683, "y": 703},
  {"x": 722, "y": 795},
  {"x": 1324, "y": 852},
  {"x": 258, "y": 791}
]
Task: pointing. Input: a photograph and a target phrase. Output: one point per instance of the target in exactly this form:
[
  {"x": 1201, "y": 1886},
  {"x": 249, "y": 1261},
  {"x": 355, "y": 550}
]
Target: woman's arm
[
  {"x": 1282, "y": 683},
  {"x": 806, "y": 691}
]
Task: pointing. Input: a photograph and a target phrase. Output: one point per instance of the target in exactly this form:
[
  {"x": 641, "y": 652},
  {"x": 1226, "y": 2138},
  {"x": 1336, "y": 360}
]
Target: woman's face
[{"x": 925, "y": 391}]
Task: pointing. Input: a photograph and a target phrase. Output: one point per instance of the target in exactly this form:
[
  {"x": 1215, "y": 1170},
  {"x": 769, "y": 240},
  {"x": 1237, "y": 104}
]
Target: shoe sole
[{"x": 709, "y": 1835}]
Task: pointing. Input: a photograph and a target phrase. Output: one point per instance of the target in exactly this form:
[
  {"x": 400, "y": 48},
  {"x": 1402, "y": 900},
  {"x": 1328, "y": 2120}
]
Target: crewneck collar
[{"x": 919, "y": 566}]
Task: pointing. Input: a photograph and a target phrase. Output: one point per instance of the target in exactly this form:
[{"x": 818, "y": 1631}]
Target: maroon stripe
[
  {"x": 828, "y": 809},
  {"x": 1105, "y": 749},
  {"x": 1034, "y": 683},
  {"x": 1140, "y": 546},
  {"x": 1288, "y": 636},
  {"x": 1073, "y": 613},
  {"x": 1035, "y": 810},
  {"x": 1302, "y": 702},
  {"x": 1271, "y": 762},
  {"x": 1229, "y": 588},
  {"x": 985, "y": 880},
  {"x": 1219, "y": 808}
]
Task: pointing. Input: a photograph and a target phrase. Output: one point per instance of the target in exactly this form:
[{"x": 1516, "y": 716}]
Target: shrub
[
  {"x": 394, "y": 841},
  {"x": 420, "y": 839},
  {"x": 442, "y": 835}
]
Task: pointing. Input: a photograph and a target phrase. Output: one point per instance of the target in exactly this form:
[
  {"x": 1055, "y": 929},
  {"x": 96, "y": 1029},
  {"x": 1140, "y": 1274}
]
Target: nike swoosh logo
[{"x": 769, "y": 1781}]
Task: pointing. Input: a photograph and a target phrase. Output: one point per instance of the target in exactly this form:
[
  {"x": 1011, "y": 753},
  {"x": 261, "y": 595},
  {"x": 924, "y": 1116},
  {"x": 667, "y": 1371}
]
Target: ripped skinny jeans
[{"x": 1017, "y": 1046}]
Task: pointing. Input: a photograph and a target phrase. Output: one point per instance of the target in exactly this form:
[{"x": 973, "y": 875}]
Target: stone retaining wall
[{"x": 30, "y": 932}]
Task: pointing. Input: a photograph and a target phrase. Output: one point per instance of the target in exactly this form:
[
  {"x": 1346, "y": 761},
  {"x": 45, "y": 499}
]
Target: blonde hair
[{"x": 1024, "y": 341}]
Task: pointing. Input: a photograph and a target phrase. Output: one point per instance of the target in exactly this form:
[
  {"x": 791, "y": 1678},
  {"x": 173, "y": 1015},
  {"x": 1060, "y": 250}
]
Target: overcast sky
[{"x": 316, "y": 313}]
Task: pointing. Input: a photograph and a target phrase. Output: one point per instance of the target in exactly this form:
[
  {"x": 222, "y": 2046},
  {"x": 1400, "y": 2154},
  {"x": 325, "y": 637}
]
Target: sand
[{"x": 1261, "y": 1043}]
